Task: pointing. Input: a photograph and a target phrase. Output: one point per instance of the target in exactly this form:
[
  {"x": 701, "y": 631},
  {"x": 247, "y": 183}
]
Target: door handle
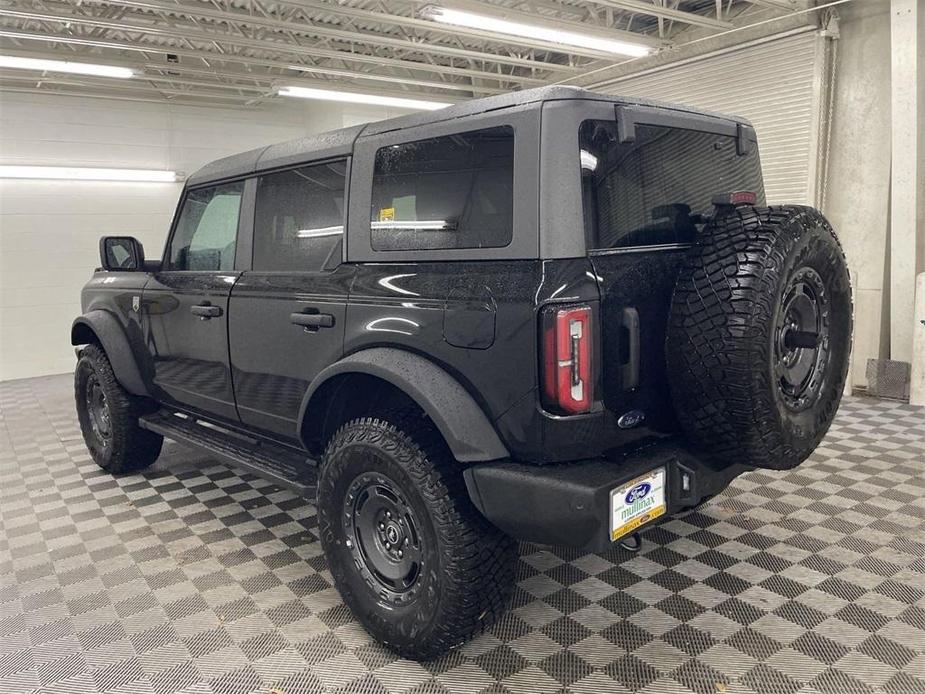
[
  {"x": 206, "y": 311},
  {"x": 312, "y": 321}
]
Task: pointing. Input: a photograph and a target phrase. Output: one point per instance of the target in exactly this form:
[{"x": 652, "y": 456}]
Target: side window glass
[
  {"x": 445, "y": 192},
  {"x": 299, "y": 218},
  {"x": 204, "y": 240}
]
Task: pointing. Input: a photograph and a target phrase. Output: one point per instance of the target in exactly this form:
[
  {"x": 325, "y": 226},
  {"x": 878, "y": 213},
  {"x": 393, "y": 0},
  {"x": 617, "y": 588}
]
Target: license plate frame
[{"x": 629, "y": 508}]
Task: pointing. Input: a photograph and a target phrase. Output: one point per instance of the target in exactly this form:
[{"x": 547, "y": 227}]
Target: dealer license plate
[{"x": 636, "y": 503}]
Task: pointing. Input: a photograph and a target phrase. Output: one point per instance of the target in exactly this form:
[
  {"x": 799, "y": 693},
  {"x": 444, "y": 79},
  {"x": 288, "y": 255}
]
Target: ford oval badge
[
  {"x": 638, "y": 492},
  {"x": 631, "y": 419}
]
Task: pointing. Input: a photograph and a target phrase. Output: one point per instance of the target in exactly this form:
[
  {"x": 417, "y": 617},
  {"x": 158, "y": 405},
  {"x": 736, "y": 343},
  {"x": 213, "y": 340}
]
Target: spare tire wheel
[{"x": 759, "y": 335}]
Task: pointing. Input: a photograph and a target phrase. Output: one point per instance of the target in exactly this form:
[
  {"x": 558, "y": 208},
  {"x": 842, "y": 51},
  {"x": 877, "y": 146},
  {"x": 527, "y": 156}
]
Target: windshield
[{"x": 657, "y": 189}]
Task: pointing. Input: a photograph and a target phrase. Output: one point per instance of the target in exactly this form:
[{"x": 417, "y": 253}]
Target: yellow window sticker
[{"x": 387, "y": 214}]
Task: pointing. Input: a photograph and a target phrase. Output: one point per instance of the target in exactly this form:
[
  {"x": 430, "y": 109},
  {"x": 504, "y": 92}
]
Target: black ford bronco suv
[{"x": 551, "y": 316}]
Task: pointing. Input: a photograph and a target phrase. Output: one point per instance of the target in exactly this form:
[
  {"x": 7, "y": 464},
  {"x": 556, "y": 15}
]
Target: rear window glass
[
  {"x": 445, "y": 192},
  {"x": 657, "y": 189}
]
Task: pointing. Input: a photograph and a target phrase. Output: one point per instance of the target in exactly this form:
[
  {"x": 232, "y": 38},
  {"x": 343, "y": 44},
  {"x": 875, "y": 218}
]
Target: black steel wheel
[
  {"x": 417, "y": 564},
  {"x": 759, "y": 336},
  {"x": 98, "y": 409},
  {"x": 108, "y": 416},
  {"x": 384, "y": 535},
  {"x": 801, "y": 348}
]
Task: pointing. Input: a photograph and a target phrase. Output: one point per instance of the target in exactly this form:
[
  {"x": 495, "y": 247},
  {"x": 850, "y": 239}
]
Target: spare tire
[{"x": 759, "y": 335}]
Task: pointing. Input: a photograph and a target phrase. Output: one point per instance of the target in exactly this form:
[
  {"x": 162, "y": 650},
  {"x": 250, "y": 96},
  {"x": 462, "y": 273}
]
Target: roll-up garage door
[{"x": 775, "y": 84}]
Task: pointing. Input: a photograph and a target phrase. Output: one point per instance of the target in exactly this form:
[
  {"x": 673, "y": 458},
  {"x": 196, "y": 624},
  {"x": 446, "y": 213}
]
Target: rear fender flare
[
  {"x": 462, "y": 422},
  {"x": 105, "y": 328}
]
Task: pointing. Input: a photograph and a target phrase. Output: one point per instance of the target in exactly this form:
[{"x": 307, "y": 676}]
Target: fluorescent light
[
  {"x": 320, "y": 232},
  {"x": 88, "y": 174},
  {"x": 531, "y": 31},
  {"x": 424, "y": 224},
  {"x": 389, "y": 283},
  {"x": 588, "y": 160},
  {"x": 356, "y": 98},
  {"x": 64, "y": 66}
]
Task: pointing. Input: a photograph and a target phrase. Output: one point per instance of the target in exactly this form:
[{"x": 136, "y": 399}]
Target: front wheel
[
  {"x": 410, "y": 555},
  {"x": 108, "y": 416}
]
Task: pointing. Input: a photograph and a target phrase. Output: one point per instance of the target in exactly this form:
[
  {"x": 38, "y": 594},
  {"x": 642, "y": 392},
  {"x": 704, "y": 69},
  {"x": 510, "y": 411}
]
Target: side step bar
[{"x": 277, "y": 464}]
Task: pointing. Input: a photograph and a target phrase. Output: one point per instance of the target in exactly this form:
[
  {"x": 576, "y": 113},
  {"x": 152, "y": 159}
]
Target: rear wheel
[
  {"x": 411, "y": 556},
  {"x": 759, "y": 336},
  {"x": 108, "y": 416}
]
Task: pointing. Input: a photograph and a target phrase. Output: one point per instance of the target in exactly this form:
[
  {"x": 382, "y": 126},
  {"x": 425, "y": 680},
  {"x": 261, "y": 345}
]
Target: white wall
[
  {"x": 772, "y": 82},
  {"x": 49, "y": 230},
  {"x": 858, "y": 196}
]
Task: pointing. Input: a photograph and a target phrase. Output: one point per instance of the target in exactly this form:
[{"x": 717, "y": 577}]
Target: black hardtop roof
[{"x": 339, "y": 143}]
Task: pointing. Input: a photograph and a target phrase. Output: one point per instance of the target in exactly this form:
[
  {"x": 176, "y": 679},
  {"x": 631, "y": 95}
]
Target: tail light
[{"x": 567, "y": 341}]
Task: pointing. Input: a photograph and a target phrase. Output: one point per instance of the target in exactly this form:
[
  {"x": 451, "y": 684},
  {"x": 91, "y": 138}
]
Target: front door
[
  {"x": 186, "y": 304},
  {"x": 287, "y": 312}
]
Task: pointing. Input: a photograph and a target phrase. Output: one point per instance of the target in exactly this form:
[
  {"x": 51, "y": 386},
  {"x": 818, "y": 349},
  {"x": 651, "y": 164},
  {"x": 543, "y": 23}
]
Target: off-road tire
[
  {"x": 467, "y": 566},
  {"x": 724, "y": 339},
  {"x": 128, "y": 447}
]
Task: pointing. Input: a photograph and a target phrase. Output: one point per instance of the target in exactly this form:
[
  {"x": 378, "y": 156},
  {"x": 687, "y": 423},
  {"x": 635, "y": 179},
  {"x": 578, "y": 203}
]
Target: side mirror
[{"x": 123, "y": 253}]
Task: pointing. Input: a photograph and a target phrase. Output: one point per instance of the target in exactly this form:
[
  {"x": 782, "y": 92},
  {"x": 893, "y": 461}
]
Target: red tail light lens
[{"x": 567, "y": 341}]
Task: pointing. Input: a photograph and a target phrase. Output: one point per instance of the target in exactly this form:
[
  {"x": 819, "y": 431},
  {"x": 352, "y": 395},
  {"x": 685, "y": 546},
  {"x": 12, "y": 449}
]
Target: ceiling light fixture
[
  {"x": 65, "y": 66},
  {"x": 531, "y": 31},
  {"x": 79, "y": 173},
  {"x": 356, "y": 98}
]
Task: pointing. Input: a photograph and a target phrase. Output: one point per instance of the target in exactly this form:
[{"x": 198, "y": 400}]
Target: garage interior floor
[{"x": 190, "y": 577}]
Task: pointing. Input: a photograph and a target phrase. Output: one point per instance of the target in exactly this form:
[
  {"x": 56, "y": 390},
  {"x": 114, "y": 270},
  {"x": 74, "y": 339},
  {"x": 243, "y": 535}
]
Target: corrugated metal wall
[{"x": 775, "y": 84}]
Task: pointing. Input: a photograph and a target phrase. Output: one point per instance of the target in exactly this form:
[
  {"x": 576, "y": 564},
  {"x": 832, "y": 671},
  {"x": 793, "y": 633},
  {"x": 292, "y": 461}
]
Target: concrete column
[
  {"x": 917, "y": 387},
  {"x": 904, "y": 175}
]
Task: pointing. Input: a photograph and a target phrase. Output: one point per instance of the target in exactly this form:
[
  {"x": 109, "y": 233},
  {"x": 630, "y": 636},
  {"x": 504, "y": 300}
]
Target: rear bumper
[{"x": 569, "y": 503}]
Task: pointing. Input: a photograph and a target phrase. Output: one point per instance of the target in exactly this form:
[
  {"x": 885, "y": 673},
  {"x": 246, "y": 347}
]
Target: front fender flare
[
  {"x": 464, "y": 426},
  {"x": 109, "y": 333}
]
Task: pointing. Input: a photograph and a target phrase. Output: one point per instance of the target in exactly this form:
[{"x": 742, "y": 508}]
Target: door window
[
  {"x": 299, "y": 219},
  {"x": 204, "y": 239},
  {"x": 445, "y": 192}
]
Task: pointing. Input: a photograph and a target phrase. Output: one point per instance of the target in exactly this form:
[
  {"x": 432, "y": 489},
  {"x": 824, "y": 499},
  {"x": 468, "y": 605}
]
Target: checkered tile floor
[{"x": 190, "y": 577}]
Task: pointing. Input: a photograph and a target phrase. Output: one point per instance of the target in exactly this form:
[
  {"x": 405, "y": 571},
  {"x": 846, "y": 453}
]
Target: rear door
[
  {"x": 443, "y": 222},
  {"x": 186, "y": 303},
  {"x": 647, "y": 189},
  {"x": 287, "y": 311}
]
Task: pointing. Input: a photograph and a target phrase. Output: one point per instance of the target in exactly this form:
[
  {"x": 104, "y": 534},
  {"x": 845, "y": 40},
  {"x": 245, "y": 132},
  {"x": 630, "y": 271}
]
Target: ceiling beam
[
  {"x": 502, "y": 78},
  {"x": 271, "y": 81},
  {"x": 547, "y": 21},
  {"x": 171, "y": 81},
  {"x": 287, "y": 70},
  {"x": 235, "y": 40},
  {"x": 414, "y": 6},
  {"x": 350, "y": 74},
  {"x": 785, "y": 5},
  {"x": 665, "y": 12},
  {"x": 205, "y": 55},
  {"x": 156, "y": 96},
  {"x": 109, "y": 85},
  {"x": 199, "y": 10}
]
